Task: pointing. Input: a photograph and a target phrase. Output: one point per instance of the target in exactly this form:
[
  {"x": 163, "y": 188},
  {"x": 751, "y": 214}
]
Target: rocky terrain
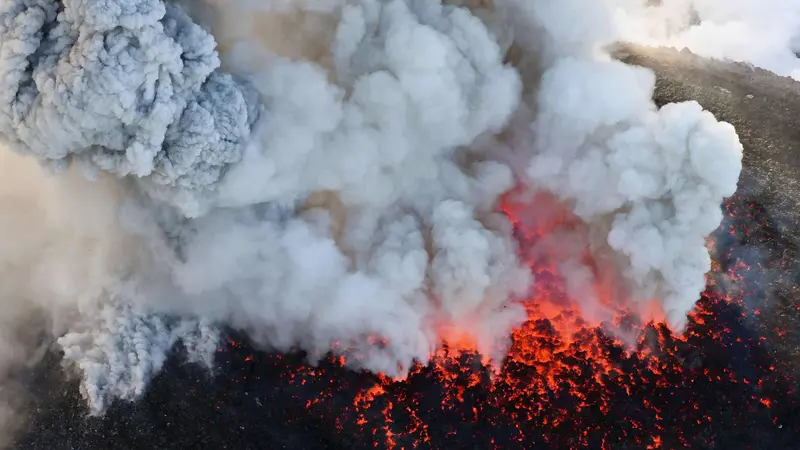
[{"x": 765, "y": 109}]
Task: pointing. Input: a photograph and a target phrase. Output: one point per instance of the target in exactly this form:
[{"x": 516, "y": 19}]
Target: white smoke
[
  {"x": 765, "y": 33},
  {"x": 341, "y": 186},
  {"x": 654, "y": 179},
  {"x": 118, "y": 350}
]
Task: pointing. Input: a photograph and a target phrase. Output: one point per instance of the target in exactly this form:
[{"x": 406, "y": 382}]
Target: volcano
[{"x": 729, "y": 382}]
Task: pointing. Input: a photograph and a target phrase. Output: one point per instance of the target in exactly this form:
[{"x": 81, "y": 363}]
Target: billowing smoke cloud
[
  {"x": 61, "y": 247},
  {"x": 648, "y": 181},
  {"x": 336, "y": 187},
  {"x": 125, "y": 87}
]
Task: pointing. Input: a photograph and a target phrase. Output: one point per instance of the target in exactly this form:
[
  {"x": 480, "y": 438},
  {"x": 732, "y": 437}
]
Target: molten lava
[{"x": 569, "y": 382}]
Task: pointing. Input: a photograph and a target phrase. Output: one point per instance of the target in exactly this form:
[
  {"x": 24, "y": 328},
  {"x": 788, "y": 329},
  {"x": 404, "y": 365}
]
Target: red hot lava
[{"x": 568, "y": 382}]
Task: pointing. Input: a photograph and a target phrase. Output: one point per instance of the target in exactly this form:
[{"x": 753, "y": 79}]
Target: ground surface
[
  {"x": 731, "y": 385},
  {"x": 765, "y": 109}
]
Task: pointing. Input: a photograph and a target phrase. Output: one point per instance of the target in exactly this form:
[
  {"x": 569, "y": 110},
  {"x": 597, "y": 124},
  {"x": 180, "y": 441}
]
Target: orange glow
[{"x": 565, "y": 368}]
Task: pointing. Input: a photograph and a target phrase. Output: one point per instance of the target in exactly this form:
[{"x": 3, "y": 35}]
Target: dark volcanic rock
[{"x": 765, "y": 109}]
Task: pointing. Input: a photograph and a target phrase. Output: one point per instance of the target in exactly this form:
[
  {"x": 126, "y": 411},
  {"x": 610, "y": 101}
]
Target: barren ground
[{"x": 765, "y": 109}]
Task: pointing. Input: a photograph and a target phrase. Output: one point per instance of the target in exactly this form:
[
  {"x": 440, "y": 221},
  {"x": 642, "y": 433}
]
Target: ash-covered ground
[{"x": 730, "y": 383}]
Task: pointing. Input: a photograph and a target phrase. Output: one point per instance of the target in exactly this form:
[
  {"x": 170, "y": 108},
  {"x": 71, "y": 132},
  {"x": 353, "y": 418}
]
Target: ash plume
[
  {"x": 333, "y": 185},
  {"x": 130, "y": 88}
]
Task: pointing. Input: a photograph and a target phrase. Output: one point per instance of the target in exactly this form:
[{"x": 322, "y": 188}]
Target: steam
[
  {"x": 653, "y": 179},
  {"x": 764, "y": 33},
  {"x": 337, "y": 186},
  {"x": 119, "y": 349}
]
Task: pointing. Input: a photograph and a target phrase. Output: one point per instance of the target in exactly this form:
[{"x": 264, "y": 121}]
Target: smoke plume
[{"x": 326, "y": 175}]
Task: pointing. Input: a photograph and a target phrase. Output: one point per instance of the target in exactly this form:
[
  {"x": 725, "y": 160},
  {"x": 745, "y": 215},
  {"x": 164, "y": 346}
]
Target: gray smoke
[
  {"x": 130, "y": 88},
  {"x": 118, "y": 350},
  {"x": 338, "y": 183}
]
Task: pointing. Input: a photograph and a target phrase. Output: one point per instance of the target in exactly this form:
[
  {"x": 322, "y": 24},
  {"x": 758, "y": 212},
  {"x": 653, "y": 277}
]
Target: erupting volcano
[
  {"x": 399, "y": 224},
  {"x": 566, "y": 383}
]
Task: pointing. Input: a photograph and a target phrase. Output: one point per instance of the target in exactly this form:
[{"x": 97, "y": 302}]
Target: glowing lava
[{"x": 568, "y": 383}]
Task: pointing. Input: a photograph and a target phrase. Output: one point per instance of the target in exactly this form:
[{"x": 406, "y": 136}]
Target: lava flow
[
  {"x": 725, "y": 383},
  {"x": 567, "y": 383}
]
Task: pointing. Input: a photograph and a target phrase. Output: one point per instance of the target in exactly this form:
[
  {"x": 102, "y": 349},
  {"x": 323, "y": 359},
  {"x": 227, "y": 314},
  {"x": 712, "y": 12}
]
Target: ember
[{"x": 581, "y": 389}]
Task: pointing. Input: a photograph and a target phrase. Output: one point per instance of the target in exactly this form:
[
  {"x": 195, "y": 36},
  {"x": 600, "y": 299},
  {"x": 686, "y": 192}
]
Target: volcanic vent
[
  {"x": 565, "y": 384},
  {"x": 458, "y": 225}
]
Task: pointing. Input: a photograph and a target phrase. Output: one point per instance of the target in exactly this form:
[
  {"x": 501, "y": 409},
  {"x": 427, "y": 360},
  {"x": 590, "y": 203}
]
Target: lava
[{"x": 571, "y": 383}]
